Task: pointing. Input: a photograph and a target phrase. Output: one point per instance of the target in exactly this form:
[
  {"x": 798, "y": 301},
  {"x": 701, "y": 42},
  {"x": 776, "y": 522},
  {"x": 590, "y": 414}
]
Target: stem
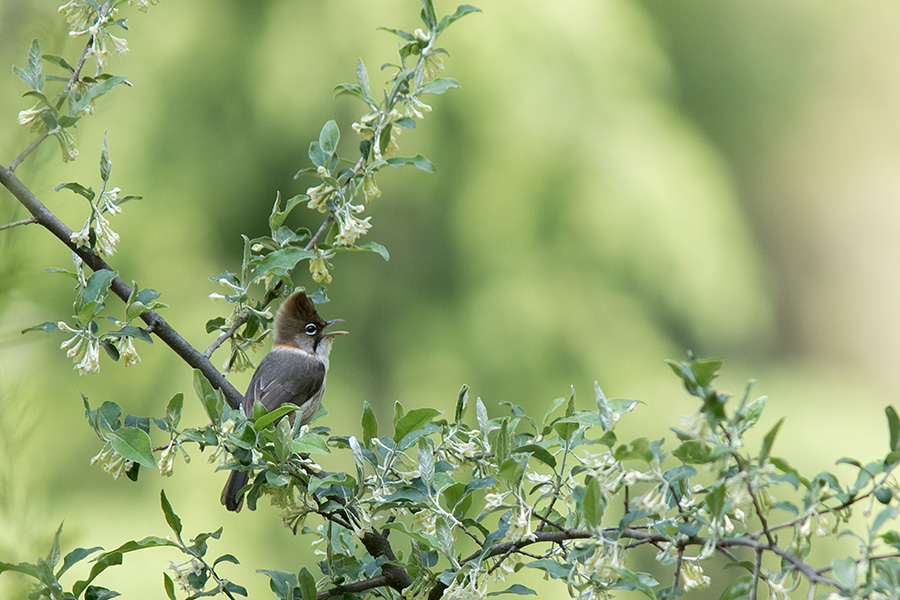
[
  {"x": 155, "y": 323},
  {"x": 755, "y": 579},
  {"x": 24, "y": 154},
  {"x": 17, "y": 223},
  {"x": 762, "y": 518}
]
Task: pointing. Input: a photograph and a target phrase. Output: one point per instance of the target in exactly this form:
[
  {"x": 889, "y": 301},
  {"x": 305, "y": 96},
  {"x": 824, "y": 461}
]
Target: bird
[{"x": 293, "y": 371}]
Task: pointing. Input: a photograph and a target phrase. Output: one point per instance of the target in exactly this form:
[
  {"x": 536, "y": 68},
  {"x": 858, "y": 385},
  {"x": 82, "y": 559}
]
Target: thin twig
[
  {"x": 754, "y": 581},
  {"x": 547, "y": 521},
  {"x": 24, "y": 154},
  {"x": 17, "y": 223},
  {"x": 677, "y": 569},
  {"x": 762, "y": 518}
]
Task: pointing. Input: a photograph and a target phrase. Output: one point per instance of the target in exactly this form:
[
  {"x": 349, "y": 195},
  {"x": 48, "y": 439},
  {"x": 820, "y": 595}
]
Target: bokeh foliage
[{"x": 603, "y": 198}]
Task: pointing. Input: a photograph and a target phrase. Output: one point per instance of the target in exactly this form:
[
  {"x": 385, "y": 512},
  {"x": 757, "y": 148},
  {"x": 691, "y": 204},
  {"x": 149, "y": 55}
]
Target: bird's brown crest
[{"x": 294, "y": 314}]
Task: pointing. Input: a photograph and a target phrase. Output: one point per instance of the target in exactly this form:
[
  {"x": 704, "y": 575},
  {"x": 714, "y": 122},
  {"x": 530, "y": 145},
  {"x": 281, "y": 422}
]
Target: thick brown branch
[
  {"x": 353, "y": 588},
  {"x": 378, "y": 545},
  {"x": 155, "y": 323}
]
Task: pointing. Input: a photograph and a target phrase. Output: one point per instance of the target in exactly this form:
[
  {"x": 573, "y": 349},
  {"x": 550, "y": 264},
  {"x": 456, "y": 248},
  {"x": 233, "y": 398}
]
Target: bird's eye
[{"x": 311, "y": 329}]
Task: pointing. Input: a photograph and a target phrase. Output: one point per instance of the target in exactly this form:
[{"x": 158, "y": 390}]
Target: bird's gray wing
[{"x": 284, "y": 376}]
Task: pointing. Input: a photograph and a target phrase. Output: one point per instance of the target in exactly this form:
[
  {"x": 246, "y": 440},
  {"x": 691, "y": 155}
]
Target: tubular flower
[{"x": 692, "y": 577}]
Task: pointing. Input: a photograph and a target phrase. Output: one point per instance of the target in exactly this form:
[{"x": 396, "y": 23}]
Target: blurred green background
[{"x": 617, "y": 182}]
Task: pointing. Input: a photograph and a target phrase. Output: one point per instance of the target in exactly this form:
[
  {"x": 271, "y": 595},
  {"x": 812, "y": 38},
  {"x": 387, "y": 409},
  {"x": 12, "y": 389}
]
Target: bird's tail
[{"x": 231, "y": 496}]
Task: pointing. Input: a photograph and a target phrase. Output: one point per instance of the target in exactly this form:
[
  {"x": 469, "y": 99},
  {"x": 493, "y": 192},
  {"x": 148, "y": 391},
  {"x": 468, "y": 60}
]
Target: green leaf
[
  {"x": 444, "y": 536},
  {"x": 369, "y": 424},
  {"x": 95, "y": 592},
  {"x": 98, "y": 286},
  {"x": 280, "y": 261},
  {"x": 105, "y": 163},
  {"x": 316, "y": 155},
  {"x": 739, "y": 589},
  {"x": 268, "y": 418},
  {"x": 462, "y": 401},
  {"x": 565, "y": 428},
  {"x": 439, "y": 85},
  {"x": 419, "y": 161},
  {"x": 307, "y": 584},
  {"x": 329, "y": 137},
  {"x": 370, "y": 247},
  {"x": 173, "y": 410},
  {"x": 606, "y": 418},
  {"x": 172, "y": 519},
  {"x": 694, "y": 452},
  {"x": 104, "y": 561},
  {"x": 46, "y": 326},
  {"x": 482, "y": 416},
  {"x": 844, "y": 570},
  {"x": 429, "y": 16},
  {"x": 215, "y": 324},
  {"x": 59, "y": 60},
  {"x": 77, "y": 188},
  {"x": 893, "y": 428},
  {"x": 423, "y": 538},
  {"x": 143, "y": 300},
  {"x": 412, "y": 421},
  {"x": 399, "y": 32},
  {"x": 426, "y": 462},
  {"x": 169, "y": 587},
  {"x": 24, "y": 568},
  {"x": 230, "y": 558},
  {"x": 503, "y": 442},
  {"x": 511, "y": 471},
  {"x": 594, "y": 503},
  {"x": 378, "y": 248},
  {"x": 133, "y": 444},
  {"x": 406, "y": 494},
  {"x": 461, "y": 11},
  {"x": 539, "y": 452},
  {"x": 516, "y": 588},
  {"x": 310, "y": 444},
  {"x": 53, "y": 556},
  {"x": 277, "y": 218},
  {"x": 75, "y": 556},
  {"x": 769, "y": 440},
  {"x": 362, "y": 77},
  {"x": 96, "y": 91},
  {"x": 554, "y": 569},
  {"x": 715, "y": 500},
  {"x": 282, "y": 583},
  {"x": 212, "y": 399},
  {"x": 33, "y": 74}
]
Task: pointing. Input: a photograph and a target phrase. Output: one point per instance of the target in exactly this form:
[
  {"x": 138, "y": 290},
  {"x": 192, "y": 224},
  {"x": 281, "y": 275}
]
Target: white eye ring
[{"x": 311, "y": 329}]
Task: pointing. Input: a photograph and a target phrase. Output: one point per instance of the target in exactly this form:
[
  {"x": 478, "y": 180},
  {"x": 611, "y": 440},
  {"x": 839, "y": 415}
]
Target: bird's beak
[{"x": 332, "y": 322}]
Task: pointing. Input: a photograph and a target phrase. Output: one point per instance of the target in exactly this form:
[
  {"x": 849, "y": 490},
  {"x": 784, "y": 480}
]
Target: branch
[
  {"x": 17, "y": 223},
  {"x": 353, "y": 588},
  {"x": 378, "y": 545},
  {"x": 155, "y": 323}
]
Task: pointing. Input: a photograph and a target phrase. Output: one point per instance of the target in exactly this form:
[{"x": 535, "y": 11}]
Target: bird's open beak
[{"x": 332, "y": 322}]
